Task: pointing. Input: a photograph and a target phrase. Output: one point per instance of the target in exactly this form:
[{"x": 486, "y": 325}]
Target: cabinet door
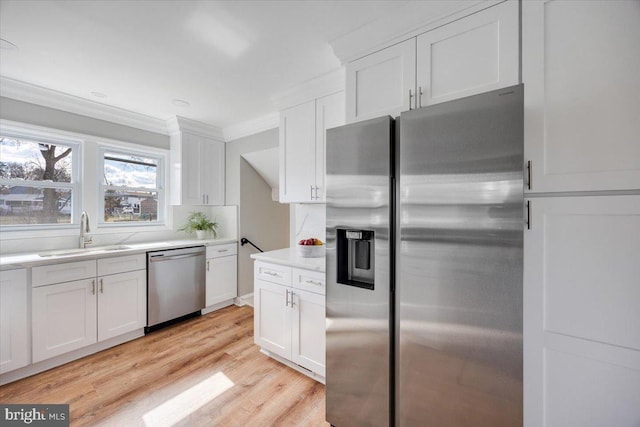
[
  {"x": 14, "y": 344},
  {"x": 382, "y": 83},
  {"x": 580, "y": 68},
  {"x": 308, "y": 331},
  {"x": 63, "y": 318},
  {"x": 213, "y": 175},
  {"x": 122, "y": 303},
  {"x": 297, "y": 148},
  {"x": 329, "y": 114},
  {"x": 475, "y": 54},
  {"x": 272, "y": 317},
  {"x": 222, "y": 279},
  {"x": 192, "y": 155},
  {"x": 581, "y": 316}
]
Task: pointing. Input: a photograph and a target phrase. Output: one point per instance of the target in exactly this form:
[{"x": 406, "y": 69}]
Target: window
[
  {"x": 38, "y": 182},
  {"x": 131, "y": 188}
]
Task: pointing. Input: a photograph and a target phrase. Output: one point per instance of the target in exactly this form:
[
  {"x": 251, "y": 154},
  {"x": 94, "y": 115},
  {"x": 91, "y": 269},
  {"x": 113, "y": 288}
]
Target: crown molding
[
  {"x": 406, "y": 21},
  {"x": 318, "y": 87},
  {"x": 27, "y": 92},
  {"x": 182, "y": 124},
  {"x": 251, "y": 127}
]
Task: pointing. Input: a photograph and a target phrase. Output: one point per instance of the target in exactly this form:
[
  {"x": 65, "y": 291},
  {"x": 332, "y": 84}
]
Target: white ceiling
[{"x": 227, "y": 58}]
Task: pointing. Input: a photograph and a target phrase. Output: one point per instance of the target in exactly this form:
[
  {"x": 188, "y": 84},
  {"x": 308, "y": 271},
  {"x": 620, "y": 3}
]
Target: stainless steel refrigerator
[{"x": 424, "y": 266}]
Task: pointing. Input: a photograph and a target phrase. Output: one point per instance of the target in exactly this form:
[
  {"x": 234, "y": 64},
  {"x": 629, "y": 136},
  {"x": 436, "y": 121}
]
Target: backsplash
[
  {"x": 226, "y": 216},
  {"x": 307, "y": 220}
]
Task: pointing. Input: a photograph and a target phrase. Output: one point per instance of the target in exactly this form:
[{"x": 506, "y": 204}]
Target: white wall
[
  {"x": 307, "y": 220},
  {"x": 263, "y": 221},
  {"x": 24, "y": 112}
]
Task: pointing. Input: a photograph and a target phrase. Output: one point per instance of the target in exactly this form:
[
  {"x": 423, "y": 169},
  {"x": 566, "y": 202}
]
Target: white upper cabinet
[
  {"x": 14, "y": 326},
  {"x": 197, "y": 166},
  {"x": 475, "y": 54},
  {"x": 329, "y": 114},
  {"x": 297, "y": 152},
  {"x": 580, "y": 68},
  {"x": 302, "y": 145},
  {"x": 382, "y": 83},
  {"x": 471, "y": 55}
]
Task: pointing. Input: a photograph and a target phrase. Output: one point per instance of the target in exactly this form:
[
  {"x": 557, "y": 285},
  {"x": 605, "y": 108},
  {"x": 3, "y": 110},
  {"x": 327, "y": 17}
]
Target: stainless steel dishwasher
[{"x": 175, "y": 285}]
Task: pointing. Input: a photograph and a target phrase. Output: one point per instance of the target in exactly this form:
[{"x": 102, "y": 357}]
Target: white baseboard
[
  {"x": 218, "y": 306},
  {"x": 246, "y": 299}
]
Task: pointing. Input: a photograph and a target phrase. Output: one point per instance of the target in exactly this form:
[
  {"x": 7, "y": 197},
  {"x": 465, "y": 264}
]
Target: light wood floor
[{"x": 203, "y": 372}]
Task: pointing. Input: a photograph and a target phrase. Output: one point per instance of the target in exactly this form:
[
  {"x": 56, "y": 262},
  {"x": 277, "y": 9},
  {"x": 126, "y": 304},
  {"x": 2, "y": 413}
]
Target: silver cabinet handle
[
  {"x": 419, "y": 96},
  {"x": 223, "y": 250},
  {"x": 207, "y": 199},
  {"x": 271, "y": 273},
  {"x": 101, "y": 286},
  {"x": 313, "y": 282},
  {"x": 311, "y": 192},
  {"x": 286, "y": 303},
  {"x": 207, "y": 265},
  {"x": 529, "y": 175},
  {"x": 410, "y": 98},
  {"x": 93, "y": 287},
  {"x": 292, "y": 303}
]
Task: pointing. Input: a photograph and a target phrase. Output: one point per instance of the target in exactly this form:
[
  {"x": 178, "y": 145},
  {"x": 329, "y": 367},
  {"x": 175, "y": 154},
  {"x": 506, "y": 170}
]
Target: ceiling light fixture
[
  {"x": 6, "y": 44},
  {"x": 98, "y": 94},
  {"x": 180, "y": 103}
]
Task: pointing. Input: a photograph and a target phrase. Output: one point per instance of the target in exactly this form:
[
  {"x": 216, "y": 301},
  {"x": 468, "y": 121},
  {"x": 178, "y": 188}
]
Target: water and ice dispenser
[{"x": 356, "y": 258}]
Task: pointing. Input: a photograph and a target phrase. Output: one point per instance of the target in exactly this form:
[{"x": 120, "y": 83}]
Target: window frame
[
  {"x": 160, "y": 189},
  {"x": 48, "y": 136}
]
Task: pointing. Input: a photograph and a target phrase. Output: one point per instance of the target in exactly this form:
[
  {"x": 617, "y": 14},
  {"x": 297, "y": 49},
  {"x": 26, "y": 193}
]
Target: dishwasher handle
[{"x": 158, "y": 258}]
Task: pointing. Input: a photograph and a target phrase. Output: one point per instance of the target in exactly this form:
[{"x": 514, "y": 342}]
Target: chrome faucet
[{"x": 84, "y": 228}]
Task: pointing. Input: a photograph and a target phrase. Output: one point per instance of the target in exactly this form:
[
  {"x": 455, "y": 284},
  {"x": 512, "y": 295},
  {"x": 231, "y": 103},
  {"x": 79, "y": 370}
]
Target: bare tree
[{"x": 50, "y": 202}]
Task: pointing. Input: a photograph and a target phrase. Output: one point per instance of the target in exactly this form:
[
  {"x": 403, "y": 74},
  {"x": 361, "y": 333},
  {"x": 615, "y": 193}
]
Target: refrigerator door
[
  {"x": 459, "y": 282},
  {"x": 358, "y": 263}
]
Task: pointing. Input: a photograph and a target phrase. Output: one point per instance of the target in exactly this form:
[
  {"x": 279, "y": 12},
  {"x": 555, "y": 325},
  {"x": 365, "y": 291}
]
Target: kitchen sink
[{"x": 78, "y": 251}]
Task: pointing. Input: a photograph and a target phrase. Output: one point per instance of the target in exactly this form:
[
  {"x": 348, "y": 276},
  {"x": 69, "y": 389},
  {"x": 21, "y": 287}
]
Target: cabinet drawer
[
  {"x": 273, "y": 273},
  {"x": 222, "y": 250},
  {"x": 312, "y": 281},
  {"x": 63, "y": 272},
  {"x": 121, "y": 264}
]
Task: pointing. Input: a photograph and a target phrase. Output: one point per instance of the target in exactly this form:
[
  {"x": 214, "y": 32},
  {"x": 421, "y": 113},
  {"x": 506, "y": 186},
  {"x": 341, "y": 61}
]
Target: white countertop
[
  {"x": 32, "y": 259},
  {"x": 289, "y": 256}
]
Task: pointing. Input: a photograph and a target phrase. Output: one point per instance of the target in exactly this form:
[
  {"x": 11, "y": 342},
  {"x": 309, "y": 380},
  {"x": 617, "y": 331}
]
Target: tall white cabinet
[
  {"x": 14, "y": 327},
  {"x": 302, "y": 147},
  {"x": 582, "y": 251},
  {"x": 474, "y": 54}
]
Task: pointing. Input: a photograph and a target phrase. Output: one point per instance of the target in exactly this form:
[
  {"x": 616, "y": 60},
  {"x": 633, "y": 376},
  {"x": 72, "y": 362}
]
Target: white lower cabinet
[
  {"x": 221, "y": 274},
  {"x": 122, "y": 303},
  {"x": 74, "y": 314},
  {"x": 288, "y": 320},
  {"x": 14, "y": 326},
  {"x": 272, "y": 317},
  {"x": 308, "y": 330},
  {"x": 581, "y": 312},
  {"x": 64, "y": 318}
]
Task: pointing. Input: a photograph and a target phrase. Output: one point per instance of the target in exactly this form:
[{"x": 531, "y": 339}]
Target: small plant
[{"x": 198, "y": 221}]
